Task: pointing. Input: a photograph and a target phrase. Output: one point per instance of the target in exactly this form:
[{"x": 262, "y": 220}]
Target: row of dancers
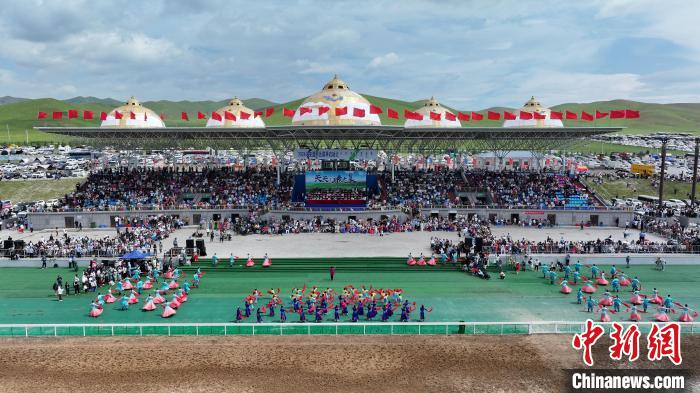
[
  {"x": 130, "y": 294},
  {"x": 250, "y": 262},
  {"x": 411, "y": 261},
  {"x": 618, "y": 280},
  {"x": 368, "y": 303}
]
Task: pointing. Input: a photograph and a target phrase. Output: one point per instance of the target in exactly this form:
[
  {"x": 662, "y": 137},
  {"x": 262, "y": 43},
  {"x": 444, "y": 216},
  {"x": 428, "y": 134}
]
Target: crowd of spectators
[
  {"x": 134, "y": 234},
  {"x": 255, "y": 188},
  {"x": 446, "y": 188},
  {"x": 169, "y": 188}
]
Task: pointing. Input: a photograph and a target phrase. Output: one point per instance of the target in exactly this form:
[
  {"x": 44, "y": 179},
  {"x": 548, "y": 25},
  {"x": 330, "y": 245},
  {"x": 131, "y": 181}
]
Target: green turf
[
  {"x": 26, "y": 295},
  {"x": 34, "y": 190}
]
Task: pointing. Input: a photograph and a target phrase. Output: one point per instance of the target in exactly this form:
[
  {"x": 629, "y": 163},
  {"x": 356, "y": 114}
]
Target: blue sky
[{"x": 468, "y": 54}]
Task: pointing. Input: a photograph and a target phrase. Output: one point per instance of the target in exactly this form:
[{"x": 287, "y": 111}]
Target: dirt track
[{"x": 308, "y": 364}]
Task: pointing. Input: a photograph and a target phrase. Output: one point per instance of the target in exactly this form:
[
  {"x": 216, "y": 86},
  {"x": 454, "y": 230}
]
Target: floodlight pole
[
  {"x": 695, "y": 172},
  {"x": 664, "y": 141}
]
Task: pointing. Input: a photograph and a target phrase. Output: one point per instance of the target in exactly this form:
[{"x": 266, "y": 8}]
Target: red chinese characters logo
[
  {"x": 662, "y": 342},
  {"x": 586, "y": 340},
  {"x": 625, "y": 342},
  {"x": 665, "y": 342}
]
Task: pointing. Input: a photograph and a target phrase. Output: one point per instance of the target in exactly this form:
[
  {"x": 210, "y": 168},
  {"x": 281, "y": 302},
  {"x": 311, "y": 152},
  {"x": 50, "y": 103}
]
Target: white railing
[{"x": 310, "y": 328}]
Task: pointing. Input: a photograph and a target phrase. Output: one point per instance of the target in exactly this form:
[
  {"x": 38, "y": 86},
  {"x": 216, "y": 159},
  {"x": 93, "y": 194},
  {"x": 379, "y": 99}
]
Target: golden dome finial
[{"x": 133, "y": 101}]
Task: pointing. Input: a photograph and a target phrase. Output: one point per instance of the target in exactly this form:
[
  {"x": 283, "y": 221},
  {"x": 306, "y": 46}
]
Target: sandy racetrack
[{"x": 309, "y": 364}]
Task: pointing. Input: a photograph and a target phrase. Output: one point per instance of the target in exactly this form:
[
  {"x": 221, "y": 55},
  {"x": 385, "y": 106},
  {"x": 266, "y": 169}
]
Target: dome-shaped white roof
[
  {"x": 433, "y": 106},
  {"x": 143, "y": 117},
  {"x": 335, "y": 94},
  {"x": 533, "y": 106},
  {"x": 235, "y": 106}
]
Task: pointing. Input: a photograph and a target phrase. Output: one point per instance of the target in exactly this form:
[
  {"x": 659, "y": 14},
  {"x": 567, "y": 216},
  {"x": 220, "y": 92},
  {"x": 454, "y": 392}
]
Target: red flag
[
  {"x": 357, "y": 112},
  {"x": 103, "y": 116},
  {"x": 323, "y": 109},
  {"x": 341, "y": 111},
  {"x": 162, "y": 116},
  {"x": 257, "y": 113},
  {"x": 57, "y": 115},
  {"x": 72, "y": 113},
  {"x": 87, "y": 115},
  {"x": 230, "y": 116},
  {"x": 477, "y": 116},
  {"x": 242, "y": 114},
  {"x": 201, "y": 115},
  {"x": 288, "y": 112},
  {"x": 118, "y": 115},
  {"x": 392, "y": 114},
  {"x": 630, "y": 114},
  {"x": 556, "y": 115},
  {"x": 509, "y": 115},
  {"x": 571, "y": 115},
  {"x": 600, "y": 115},
  {"x": 435, "y": 116},
  {"x": 617, "y": 114},
  {"x": 375, "y": 110},
  {"x": 494, "y": 115},
  {"x": 216, "y": 116},
  {"x": 412, "y": 115},
  {"x": 41, "y": 115},
  {"x": 586, "y": 116},
  {"x": 463, "y": 116},
  {"x": 269, "y": 112},
  {"x": 183, "y": 116},
  {"x": 538, "y": 116},
  {"x": 303, "y": 110},
  {"x": 525, "y": 115},
  {"x": 449, "y": 116},
  {"x": 132, "y": 115}
]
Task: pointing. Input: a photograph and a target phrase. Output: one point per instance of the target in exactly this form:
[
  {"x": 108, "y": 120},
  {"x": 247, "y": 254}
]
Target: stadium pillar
[
  {"x": 391, "y": 162},
  {"x": 664, "y": 141},
  {"x": 695, "y": 172},
  {"x": 278, "y": 173}
]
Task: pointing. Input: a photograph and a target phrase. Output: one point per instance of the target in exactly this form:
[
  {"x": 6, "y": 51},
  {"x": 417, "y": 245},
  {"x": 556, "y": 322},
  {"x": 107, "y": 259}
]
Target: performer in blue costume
[
  {"x": 579, "y": 296},
  {"x": 259, "y": 315},
  {"x": 283, "y": 315},
  {"x": 336, "y": 313},
  {"x": 615, "y": 284},
  {"x": 617, "y": 302},
  {"x": 590, "y": 303},
  {"x": 239, "y": 314},
  {"x": 577, "y": 276}
]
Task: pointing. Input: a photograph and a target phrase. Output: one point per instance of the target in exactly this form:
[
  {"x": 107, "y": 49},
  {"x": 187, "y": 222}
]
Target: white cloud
[
  {"x": 499, "y": 53},
  {"x": 559, "y": 87},
  {"x": 388, "y": 59}
]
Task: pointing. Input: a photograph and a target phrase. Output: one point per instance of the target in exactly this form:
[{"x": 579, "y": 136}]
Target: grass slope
[{"x": 34, "y": 190}]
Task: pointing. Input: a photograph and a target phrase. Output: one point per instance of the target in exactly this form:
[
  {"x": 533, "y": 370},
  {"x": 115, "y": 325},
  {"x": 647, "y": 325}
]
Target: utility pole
[
  {"x": 695, "y": 172},
  {"x": 664, "y": 141}
]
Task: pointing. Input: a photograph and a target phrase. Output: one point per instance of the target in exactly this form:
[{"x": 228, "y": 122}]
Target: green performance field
[{"x": 26, "y": 295}]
